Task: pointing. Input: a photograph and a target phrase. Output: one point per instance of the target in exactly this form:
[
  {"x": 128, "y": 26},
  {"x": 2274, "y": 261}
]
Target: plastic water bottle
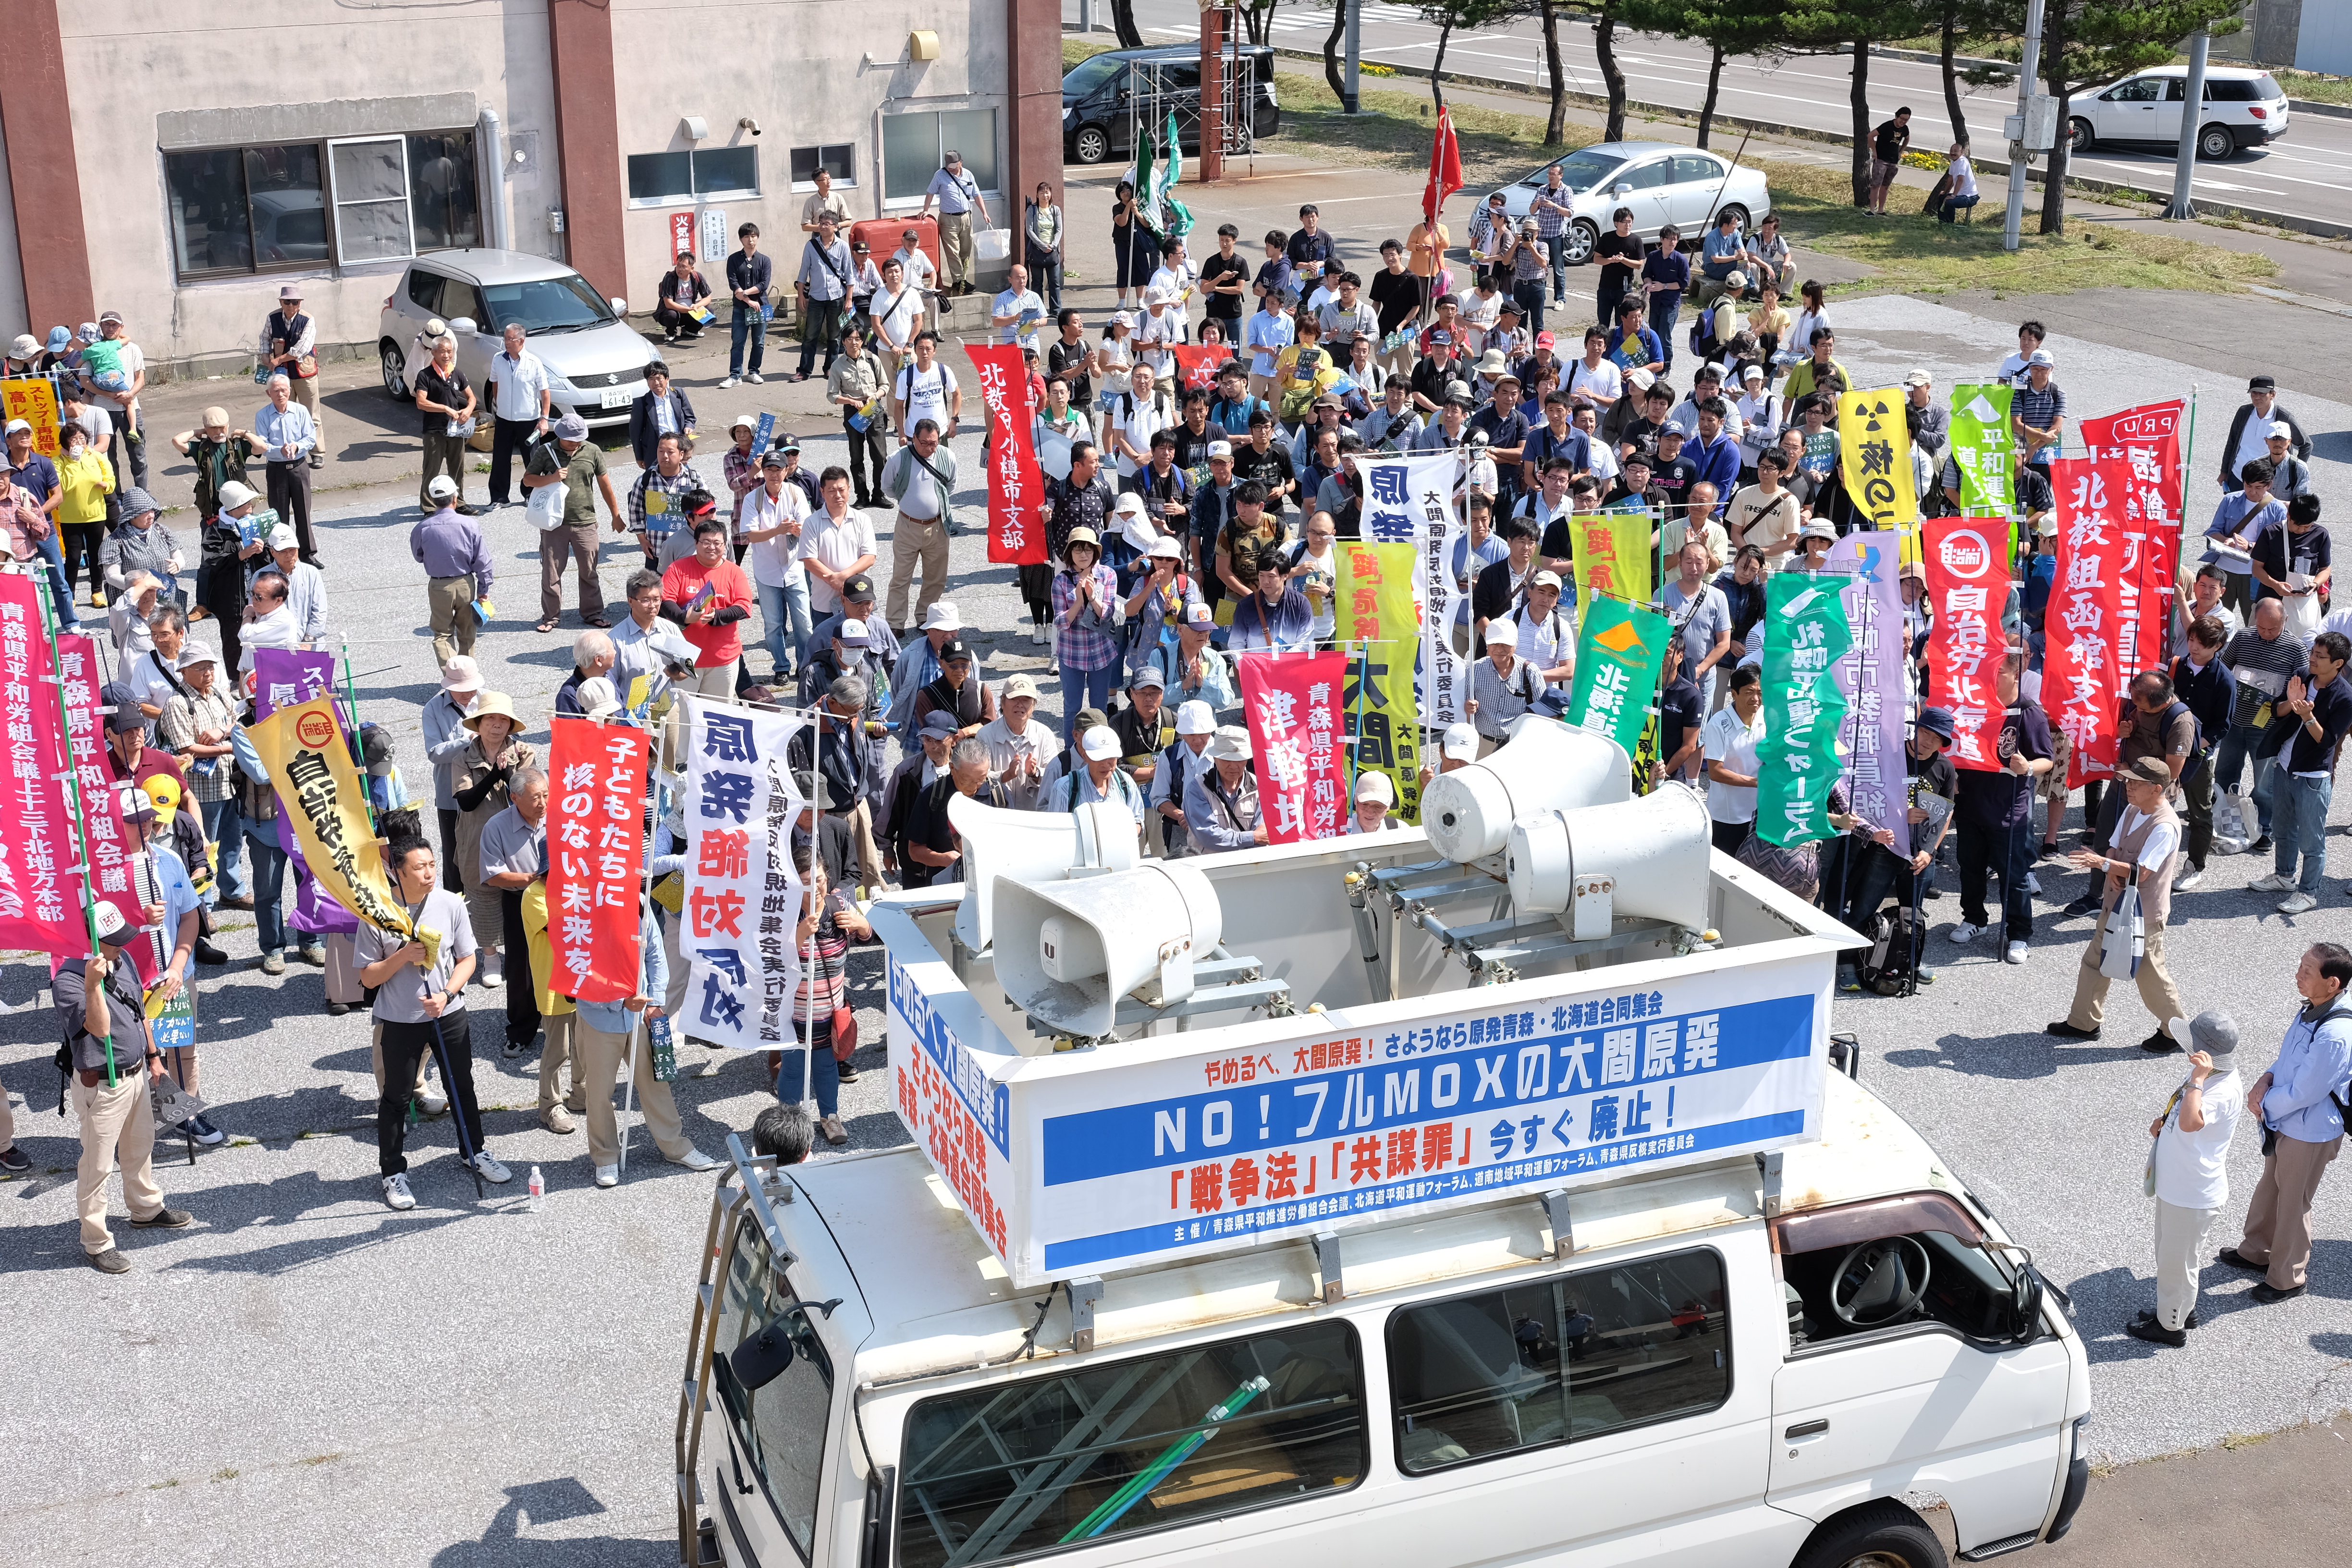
[{"x": 538, "y": 1188}]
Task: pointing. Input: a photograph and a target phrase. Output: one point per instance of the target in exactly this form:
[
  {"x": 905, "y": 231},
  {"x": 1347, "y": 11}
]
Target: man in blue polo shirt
[
  {"x": 1721, "y": 253},
  {"x": 958, "y": 195}
]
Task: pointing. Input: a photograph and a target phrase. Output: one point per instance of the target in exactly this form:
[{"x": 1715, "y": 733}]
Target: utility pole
[
  {"x": 2027, "y": 67},
  {"x": 1214, "y": 108},
  {"x": 1355, "y": 53},
  {"x": 2192, "y": 103},
  {"x": 1086, "y": 16}
]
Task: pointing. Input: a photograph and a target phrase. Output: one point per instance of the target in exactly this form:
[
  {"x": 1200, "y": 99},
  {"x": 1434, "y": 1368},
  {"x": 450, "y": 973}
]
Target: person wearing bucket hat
[
  {"x": 2141, "y": 856},
  {"x": 1221, "y": 804},
  {"x": 2188, "y": 1174},
  {"x": 486, "y": 773},
  {"x": 1179, "y": 763},
  {"x": 140, "y": 543}
]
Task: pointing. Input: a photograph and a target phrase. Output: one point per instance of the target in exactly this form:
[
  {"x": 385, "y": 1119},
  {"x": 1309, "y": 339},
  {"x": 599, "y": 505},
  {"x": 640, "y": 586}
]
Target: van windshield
[
  {"x": 546, "y": 304},
  {"x": 1091, "y": 74}
]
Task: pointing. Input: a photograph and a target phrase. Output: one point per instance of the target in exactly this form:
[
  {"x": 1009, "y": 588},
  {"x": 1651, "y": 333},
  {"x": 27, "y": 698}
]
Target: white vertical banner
[
  {"x": 743, "y": 898},
  {"x": 1437, "y": 537}
]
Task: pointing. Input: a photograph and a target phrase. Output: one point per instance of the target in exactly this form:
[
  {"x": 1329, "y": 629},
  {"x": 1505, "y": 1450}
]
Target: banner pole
[
  {"x": 629, "y": 1088},
  {"x": 79, "y": 815}
]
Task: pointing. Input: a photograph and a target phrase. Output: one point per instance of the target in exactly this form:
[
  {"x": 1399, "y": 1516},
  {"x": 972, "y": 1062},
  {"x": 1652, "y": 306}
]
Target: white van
[{"x": 1745, "y": 1315}]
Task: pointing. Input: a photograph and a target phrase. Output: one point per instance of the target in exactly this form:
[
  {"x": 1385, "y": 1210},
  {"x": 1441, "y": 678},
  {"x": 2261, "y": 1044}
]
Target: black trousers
[
  {"x": 290, "y": 497},
  {"x": 2005, "y": 850},
  {"x": 509, "y": 438},
  {"x": 821, "y": 323},
  {"x": 866, "y": 454},
  {"x": 405, "y": 1044},
  {"x": 523, "y": 996},
  {"x": 449, "y": 877}
]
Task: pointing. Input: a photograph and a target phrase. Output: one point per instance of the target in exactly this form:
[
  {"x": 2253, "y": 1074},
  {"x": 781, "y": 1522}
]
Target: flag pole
[{"x": 80, "y": 813}]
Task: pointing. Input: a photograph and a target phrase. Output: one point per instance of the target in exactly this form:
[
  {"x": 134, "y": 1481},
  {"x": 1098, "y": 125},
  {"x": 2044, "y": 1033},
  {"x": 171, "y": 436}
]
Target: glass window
[
  {"x": 727, "y": 170},
  {"x": 443, "y": 195},
  {"x": 1090, "y": 73},
  {"x": 2139, "y": 89},
  {"x": 1689, "y": 167},
  {"x": 211, "y": 231},
  {"x": 915, "y": 145},
  {"x": 424, "y": 290},
  {"x": 545, "y": 304},
  {"x": 1583, "y": 171},
  {"x": 781, "y": 1424},
  {"x": 371, "y": 198},
  {"x": 1018, "y": 1469},
  {"x": 660, "y": 177},
  {"x": 460, "y": 298},
  {"x": 2240, "y": 89},
  {"x": 1650, "y": 176},
  {"x": 702, "y": 172},
  {"x": 839, "y": 159},
  {"x": 1559, "y": 1359}
]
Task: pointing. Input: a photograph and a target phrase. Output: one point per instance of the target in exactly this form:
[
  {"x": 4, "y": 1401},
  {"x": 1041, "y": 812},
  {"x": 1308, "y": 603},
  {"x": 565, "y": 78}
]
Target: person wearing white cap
[
  {"x": 918, "y": 665},
  {"x": 1100, "y": 778},
  {"x": 1179, "y": 762},
  {"x": 106, "y": 1031},
  {"x": 1503, "y": 686},
  {"x": 1019, "y": 745},
  {"x": 458, "y": 568},
  {"x": 1375, "y": 793},
  {"x": 2289, "y": 475},
  {"x": 306, "y": 586},
  {"x": 1221, "y": 804},
  {"x": 290, "y": 347},
  {"x": 1458, "y": 748}
]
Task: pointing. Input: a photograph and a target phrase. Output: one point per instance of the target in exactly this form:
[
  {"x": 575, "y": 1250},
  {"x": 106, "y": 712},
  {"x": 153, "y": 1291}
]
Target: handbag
[
  {"x": 2123, "y": 941},
  {"x": 545, "y": 507},
  {"x": 845, "y": 1034}
]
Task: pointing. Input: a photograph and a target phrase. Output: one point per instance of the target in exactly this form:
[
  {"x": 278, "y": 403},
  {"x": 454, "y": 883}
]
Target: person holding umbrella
[{"x": 420, "y": 1006}]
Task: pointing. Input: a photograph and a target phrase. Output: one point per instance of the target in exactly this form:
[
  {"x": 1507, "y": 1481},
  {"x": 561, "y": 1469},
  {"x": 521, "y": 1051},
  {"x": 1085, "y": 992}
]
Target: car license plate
[{"x": 614, "y": 397}]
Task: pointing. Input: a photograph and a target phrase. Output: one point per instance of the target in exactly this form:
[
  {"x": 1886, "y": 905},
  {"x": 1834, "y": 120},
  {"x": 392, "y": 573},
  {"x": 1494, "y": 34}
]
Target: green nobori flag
[
  {"x": 1982, "y": 446},
  {"x": 1619, "y": 650},
  {"x": 1175, "y": 217},
  {"x": 1797, "y": 762}
]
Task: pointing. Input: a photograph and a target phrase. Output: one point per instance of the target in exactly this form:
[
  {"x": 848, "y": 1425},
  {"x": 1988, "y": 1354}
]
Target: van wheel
[
  {"x": 2215, "y": 142},
  {"x": 1879, "y": 1535},
  {"x": 1092, "y": 145},
  {"x": 395, "y": 372}
]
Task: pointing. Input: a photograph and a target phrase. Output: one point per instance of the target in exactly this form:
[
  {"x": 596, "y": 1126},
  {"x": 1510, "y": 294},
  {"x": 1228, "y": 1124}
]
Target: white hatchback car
[
  {"x": 597, "y": 360},
  {"x": 2243, "y": 108},
  {"x": 1662, "y": 182}
]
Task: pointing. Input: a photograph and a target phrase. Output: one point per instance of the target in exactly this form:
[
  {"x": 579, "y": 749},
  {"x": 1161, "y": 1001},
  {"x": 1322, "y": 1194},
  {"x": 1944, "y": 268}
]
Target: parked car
[
  {"x": 1662, "y": 182},
  {"x": 2243, "y": 108},
  {"x": 1096, "y": 107},
  {"x": 595, "y": 358},
  {"x": 291, "y": 225}
]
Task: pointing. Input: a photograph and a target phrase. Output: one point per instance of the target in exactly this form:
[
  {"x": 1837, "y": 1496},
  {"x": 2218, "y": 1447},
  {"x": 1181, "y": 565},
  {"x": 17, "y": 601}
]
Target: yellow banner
[
  {"x": 1374, "y": 602},
  {"x": 34, "y": 399},
  {"x": 1612, "y": 557},
  {"x": 320, "y": 793},
  {"x": 1874, "y": 441}
]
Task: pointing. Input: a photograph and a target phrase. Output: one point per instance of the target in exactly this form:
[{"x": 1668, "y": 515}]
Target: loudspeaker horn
[
  {"x": 1648, "y": 858},
  {"x": 1546, "y": 766},
  {"x": 1039, "y": 844},
  {"x": 1071, "y": 948}
]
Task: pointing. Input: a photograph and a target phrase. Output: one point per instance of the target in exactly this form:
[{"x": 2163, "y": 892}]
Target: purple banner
[
  {"x": 1871, "y": 678},
  {"x": 283, "y": 677}
]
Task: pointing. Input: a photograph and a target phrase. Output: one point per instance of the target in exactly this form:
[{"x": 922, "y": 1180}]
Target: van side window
[
  {"x": 1892, "y": 1263},
  {"x": 1560, "y": 1359},
  {"x": 780, "y": 1425},
  {"x": 1024, "y": 1469}
]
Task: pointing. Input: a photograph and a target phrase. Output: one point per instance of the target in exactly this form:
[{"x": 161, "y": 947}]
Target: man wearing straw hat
[
  {"x": 106, "y": 1028},
  {"x": 2144, "y": 854}
]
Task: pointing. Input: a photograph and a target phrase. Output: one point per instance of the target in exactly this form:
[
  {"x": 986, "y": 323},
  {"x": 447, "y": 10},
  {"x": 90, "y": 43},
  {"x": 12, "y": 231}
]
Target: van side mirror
[
  {"x": 2025, "y": 1305},
  {"x": 463, "y": 325},
  {"x": 763, "y": 1357}
]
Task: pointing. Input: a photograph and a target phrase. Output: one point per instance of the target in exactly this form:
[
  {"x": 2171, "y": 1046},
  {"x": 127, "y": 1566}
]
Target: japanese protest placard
[
  {"x": 36, "y": 838},
  {"x": 595, "y": 852},
  {"x": 743, "y": 898},
  {"x": 1870, "y": 676},
  {"x": 82, "y": 674},
  {"x": 1014, "y": 536},
  {"x": 1383, "y": 719},
  {"x": 285, "y": 676},
  {"x": 34, "y": 399},
  {"x": 1803, "y": 710},
  {"x": 2147, "y": 440},
  {"x": 323, "y": 797},
  {"x": 957, "y": 1115},
  {"x": 1875, "y": 439},
  {"x": 1292, "y": 703},
  {"x": 1983, "y": 447},
  {"x": 1619, "y": 650},
  {"x": 2083, "y": 672},
  {"x": 1424, "y": 502},
  {"x": 1196, "y": 365},
  {"x": 1612, "y": 557},
  {"x": 1373, "y": 592},
  {"x": 1968, "y": 583}
]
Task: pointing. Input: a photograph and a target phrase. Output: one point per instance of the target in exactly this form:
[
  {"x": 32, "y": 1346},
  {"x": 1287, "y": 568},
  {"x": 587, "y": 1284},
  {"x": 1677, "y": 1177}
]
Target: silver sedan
[{"x": 1662, "y": 182}]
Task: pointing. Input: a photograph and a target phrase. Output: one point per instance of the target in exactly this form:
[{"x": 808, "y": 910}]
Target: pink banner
[
  {"x": 1292, "y": 704},
  {"x": 596, "y": 849},
  {"x": 1870, "y": 677},
  {"x": 101, "y": 808},
  {"x": 1968, "y": 583},
  {"x": 36, "y": 830},
  {"x": 2084, "y": 670},
  {"x": 2147, "y": 441},
  {"x": 1015, "y": 487}
]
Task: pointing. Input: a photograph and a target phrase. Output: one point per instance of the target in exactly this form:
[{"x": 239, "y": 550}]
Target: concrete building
[{"x": 180, "y": 163}]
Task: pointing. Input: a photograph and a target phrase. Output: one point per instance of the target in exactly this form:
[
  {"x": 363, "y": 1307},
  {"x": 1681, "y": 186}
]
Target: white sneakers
[
  {"x": 2298, "y": 904},
  {"x": 489, "y": 1169},
  {"x": 2273, "y": 883},
  {"x": 1962, "y": 931},
  {"x": 2013, "y": 953},
  {"x": 2188, "y": 879},
  {"x": 396, "y": 1193},
  {"x": 756, "y": 379},
  {"x": 696, "y": 1159},
  {"x": 726, "y": 384},
  {"x": 432, "y": 1101},
  {"x": 1037, "y": 636},
  {"x": 494, "y": 971},
  {"x": 608, "y": 1175}
]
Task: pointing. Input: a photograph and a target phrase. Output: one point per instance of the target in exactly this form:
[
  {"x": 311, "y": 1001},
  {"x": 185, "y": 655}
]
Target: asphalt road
[{"x": 2307, "y": 172}]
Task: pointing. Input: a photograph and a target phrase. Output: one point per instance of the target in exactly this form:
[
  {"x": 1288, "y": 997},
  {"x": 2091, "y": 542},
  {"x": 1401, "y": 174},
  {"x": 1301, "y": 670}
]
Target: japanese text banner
[
  {"x": 1374, "y": 592},
  {"x": 1874, "y": 438},
  {"x": 2146, "y": 441},
  {"x": 1968, "y": 584},
  {"x": 321, "y": 794},
  {"x": 1620, "y": 649},
  {"x": 1798, "y": 763},
  {"x": 1292, "y": 701},
  {"x": 1870, "y": 676},
  {"x": 104, "y": 832},
  {"x": 1014, "y": 487},
  {"x": 1383, "y": 721},
  {"x": 595, "y": 853},
  {"x": 1421, "y": 503},
  {"x": 2086, "y": 638},
  {"x": 743, "y": 899},
  {"x": 34, "y": 399},
  {"x": 37, "y": 835},
  {"x": 1612, "y": 557},
  {"x": 283, "y": 676},
  {"x": 1983, "y": 447}
]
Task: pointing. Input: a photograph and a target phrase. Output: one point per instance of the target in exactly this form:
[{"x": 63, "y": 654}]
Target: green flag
[
  {"x": 1175, "y": 217},
  {"x": 1619, "y": 650},
  {"x": 1147, "y": 200},
  {"x": 1980, "y": 447},
  {"x": 1798, "y": 760}
]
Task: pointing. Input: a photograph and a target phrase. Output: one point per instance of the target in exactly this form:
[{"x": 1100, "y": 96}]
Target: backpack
[{"x": 1890, "y": 966}]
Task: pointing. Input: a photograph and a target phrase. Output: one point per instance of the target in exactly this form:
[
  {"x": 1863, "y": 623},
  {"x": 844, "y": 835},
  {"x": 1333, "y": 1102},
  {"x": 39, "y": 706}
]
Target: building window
[
  {"x": 839, "y": 159},
  {"x": 308, "y": 204},
  {"x": 697, "y": 175},
  {"x": 915, "y": 145}
]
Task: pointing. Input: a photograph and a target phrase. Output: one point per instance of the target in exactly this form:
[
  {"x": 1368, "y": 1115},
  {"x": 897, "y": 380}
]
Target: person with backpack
[
  {"x": 2155, "y": 723},
  {"x": 2300, "y": 1105},
  {"x": 1931, "y": 786},
  {"x": 1097, "y": 778}
]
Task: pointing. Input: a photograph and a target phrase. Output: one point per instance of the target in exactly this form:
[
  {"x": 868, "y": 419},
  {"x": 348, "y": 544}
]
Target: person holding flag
[{"x": 106, "y": 1030}]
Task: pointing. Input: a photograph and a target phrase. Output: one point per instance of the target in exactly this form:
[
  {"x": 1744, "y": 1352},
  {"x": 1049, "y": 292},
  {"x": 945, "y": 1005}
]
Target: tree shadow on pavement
[{"x": 545, "y": 1503}]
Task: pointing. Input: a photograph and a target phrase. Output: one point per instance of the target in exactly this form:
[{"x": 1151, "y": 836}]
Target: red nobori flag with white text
[
  {"x": 36, "y": 833},
  {"x": 2147, "y": 442},
  {"x": 595, "y": 852},
  {"x": 2088, "y": 639},
  {"x": 111, "y": 856},
  {"x": 1015, "y": 536},
  {"x": 1968, "y": 584},
  {"x": 1297, "y": 742}
]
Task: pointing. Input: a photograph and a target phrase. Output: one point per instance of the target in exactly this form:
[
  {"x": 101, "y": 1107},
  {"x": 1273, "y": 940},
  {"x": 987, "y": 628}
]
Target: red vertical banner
[
  {"x": 681, "y": 238},
  {"x": 2146, "y": 443},
  {"x": 36, "y": 832},
  {"x": 595, "y": 852},
  {"x": 1967, "y": 585},
  {"x": 1292, "y": 704},
  {"x": 101, "y": 808},
  {"x": 1014, "y": 487},
  {"x": 2088, "y": 639}
]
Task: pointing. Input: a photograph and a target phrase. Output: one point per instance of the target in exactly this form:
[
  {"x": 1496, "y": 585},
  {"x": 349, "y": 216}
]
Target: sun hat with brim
[
  {"x": 571, "y": 427},
  {"x": 1086, "y": 536},
  {"x": 1817, "y": 529},
  {"x": 26, "y": 346},
  {"x": 943, "y": 617},
  {"x": 487, "y": 704},
  {"x": 1938, "y": 722},
  {"x": 2215, "y": 1033},
  {"x": 136, "y": 503},
  {"x": 1165, "y": 549},
  {"x": 598, "y": 697},
  {"x": 236, "y": 493},
  {"x": 2147, "y": 771},
  {"x": 1195, "y": 718},
  {"x": 461, "y": 675},
  {"x": 1099, "y": 743},
  {"x": 1231, "y": 744}
]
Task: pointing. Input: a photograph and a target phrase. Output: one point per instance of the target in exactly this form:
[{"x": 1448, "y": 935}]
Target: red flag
[
  {"x": 1196, "y": 364},
  {"x": 595, "y": 851},
  {"x": 2146, "y": 442},
  {"x": 36, "y": 832},
  {"x": 1015, "y": 487},
  {"x": 1445, "y": 169},
  {"x": 1293, "y": 703},
  {"x": 1968, "y": 583},
  {"x": 109, "y": 839},
  {"x": 2084, "y": 662}
]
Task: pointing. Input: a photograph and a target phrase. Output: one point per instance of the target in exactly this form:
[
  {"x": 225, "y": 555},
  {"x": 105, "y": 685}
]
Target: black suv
[{"x": 1096, "y": 91}]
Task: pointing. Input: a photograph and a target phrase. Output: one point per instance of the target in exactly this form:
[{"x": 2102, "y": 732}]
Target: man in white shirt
[
  {"x": 1547, "y": 632},
  {"x": 919, "y": 273},
  {"x": 1730, "y": 741},
  {"x": 1702, "y": 614},
  {"x": 837, "y": 544},
  {"x": 926, "y": 389},
  {"x": 522, "y": 404},
  {"x": 1594, "y": 382},
  {"x": 1014, "y": 315},
  {"x": 2189, "y": 1168},
  {"x": 958, "y": 197},
  {"x": 896, "y": 313},
  {"x": 1165, "y": 323},
  {"x": 1176, "y": 277},
  {"x": 306, "y": 586}
]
